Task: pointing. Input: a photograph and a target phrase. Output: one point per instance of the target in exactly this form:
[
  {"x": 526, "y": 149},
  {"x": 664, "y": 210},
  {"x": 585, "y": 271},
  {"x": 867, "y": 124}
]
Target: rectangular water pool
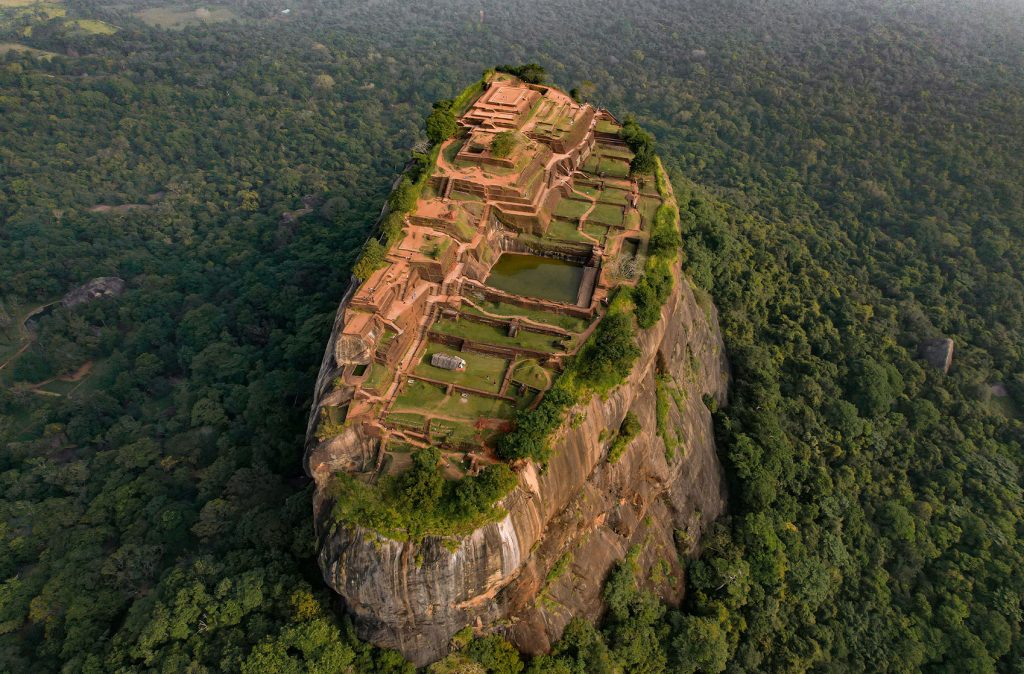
[{"x": 535, "y": 276}]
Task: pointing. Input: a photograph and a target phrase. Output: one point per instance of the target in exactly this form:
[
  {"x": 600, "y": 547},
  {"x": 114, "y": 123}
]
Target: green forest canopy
[{"x": 849, "y": 185}]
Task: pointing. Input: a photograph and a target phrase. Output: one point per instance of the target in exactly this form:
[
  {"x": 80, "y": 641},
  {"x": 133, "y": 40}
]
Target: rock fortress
[{"x": 528, "y": 229}]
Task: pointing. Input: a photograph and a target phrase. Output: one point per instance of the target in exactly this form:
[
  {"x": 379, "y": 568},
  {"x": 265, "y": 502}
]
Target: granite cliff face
[{"x": 580, "y": 514}]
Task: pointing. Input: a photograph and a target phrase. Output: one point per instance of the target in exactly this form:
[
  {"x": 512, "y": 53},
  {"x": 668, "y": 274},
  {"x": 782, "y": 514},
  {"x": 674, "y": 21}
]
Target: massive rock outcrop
[{"x": 567, "y": 524}]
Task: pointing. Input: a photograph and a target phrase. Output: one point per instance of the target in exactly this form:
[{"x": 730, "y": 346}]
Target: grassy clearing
[
  {"x": 570, "y": 323},
  {"x": 6, "y": 4},
  {"x": 489, "y": 334},
  {"x": 482, "y": 371},
  {"x": 178, "y": 17},
  {"x": 607, "y": 126},
  {"x": 14, "y": 46},
  {"x": 92, "y": 26}
]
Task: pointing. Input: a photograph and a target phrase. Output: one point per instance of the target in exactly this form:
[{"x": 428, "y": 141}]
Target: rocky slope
[{"x": 580, "y": 515}]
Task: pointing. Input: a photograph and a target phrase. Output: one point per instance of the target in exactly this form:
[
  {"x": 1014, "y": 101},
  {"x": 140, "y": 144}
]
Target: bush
[
  {"x": 421, "y": 502},
  {"x": 665, "y": 239},
  {"x": 441, "y": 124},
  {"x": 628, "y": 430},
  {"x": 393, "y": 228},
  {"x": 403, "y": 199},
  {"x": 503, "y": 144},
  {"x": 371, "y": 259},
  {"x": 529, "y": 438},
  {"x": 642, "y": 145},
  {"x": 607, "y": 359},
  {"x": 495, "y": 654},
  {"x": 531, "y": 73},
  {"x": 652, "y": 291}
]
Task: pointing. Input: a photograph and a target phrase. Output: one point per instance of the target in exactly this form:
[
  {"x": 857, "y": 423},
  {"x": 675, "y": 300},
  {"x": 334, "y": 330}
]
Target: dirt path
[{"x": 24, "y": 333}]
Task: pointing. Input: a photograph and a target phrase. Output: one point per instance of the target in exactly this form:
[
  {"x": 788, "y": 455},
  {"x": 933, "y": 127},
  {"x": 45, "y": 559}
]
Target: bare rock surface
[
  {"x": 938, "y": 353},
  {"x": 97, "y": 288}
]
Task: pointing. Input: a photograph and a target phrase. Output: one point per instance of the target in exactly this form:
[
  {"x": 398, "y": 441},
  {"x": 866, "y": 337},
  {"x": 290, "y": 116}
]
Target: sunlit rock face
[{"x": 415, "y": 596}]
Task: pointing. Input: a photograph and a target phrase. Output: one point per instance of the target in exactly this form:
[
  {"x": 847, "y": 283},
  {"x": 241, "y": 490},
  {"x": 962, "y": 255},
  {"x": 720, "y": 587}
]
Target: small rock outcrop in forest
[
  {"x": 564, "y": 422},
  {"x": 94, "y": 289},
  {"x": 938, "y": 353}
]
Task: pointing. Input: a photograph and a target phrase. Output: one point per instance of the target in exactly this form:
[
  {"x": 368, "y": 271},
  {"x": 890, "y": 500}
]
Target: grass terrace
[
  {"x": 530, "y": 373},
  {"x": 571, "y": 209},
  {"x": 595, "y": 230},
  {"x": 422, "y": 399},
  {"x": 436, "y": 246},
  {"x": 614, "y": 195},
  {"x": 648, "y": 206},
  {"x": 489, "y": 334},
  {"x": 607, "y": 214},
  {"x": 482, "y": 371},
  {"x": 178, "y": 17},
  {"x": 565, "y": 231}
]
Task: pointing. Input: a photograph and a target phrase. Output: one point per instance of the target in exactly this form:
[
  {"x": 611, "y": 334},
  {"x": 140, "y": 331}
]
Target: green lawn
[
  {"x": 174, "y": 17},
  {"x": 453, "y": 432},
  {"x": 452, "y": 150},
  {"x": 571, "y": 209},
  {"x": 615, "y": 168},
  {"x": 92, "y": 26},
  {"x": 648, "y": 206},
  {"x": 472, "y": 407},
  {"x": 606, "y": 214},
  {"x": 565, "y": 231},
  {"x": 419, "y": 395},
  {"x": 614, "y": 151},
  {"x": 606, "y": 126},
  {"x": 530, "y": 372},
  {"x": 482, "y": 371},
  {"x": 378, "y": 377},
  {"x": 611, "y": 195},
  {"x": 488, "y": 334},
  {"x": 420, "y": 399},
  {"x": 594, "y": 229},
  {"x": 407, "y": 420}
]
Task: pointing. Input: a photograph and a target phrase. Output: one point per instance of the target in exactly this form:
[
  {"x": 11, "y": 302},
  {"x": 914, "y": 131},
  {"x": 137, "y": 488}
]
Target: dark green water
[{"x": 535, "y": 276}]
